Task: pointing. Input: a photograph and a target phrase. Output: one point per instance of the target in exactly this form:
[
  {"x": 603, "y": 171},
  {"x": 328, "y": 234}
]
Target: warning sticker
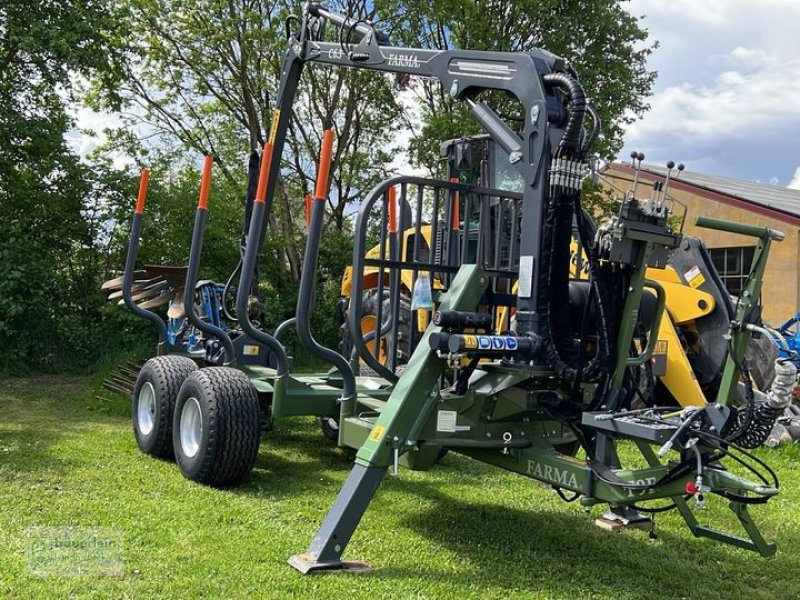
[
  {"x": 525, "y": 276},
  {"x": 250, "y": 350},
  {"x": 446, "y": 421},
  {"x": 697, "y": 281},
  {"x": 273, "y": 131},
  {"x": 470, "y": 342},
  {"x": 694, "y": 277},
  {"x": 377, "y": 433}
]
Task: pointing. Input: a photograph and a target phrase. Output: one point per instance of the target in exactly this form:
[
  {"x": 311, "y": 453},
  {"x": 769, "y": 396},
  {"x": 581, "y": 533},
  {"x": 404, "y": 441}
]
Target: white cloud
[
  {"x": 88, "y": 133},
  {"x": 409, "y": 99},
  {"x": 794, "y": 184},
  {"x": 729, "y": 80},
  {"x": 735, "y": 105}
]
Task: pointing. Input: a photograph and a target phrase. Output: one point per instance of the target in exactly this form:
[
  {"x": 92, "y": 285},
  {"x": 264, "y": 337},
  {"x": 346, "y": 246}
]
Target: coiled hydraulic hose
[{"x": 756, "y": 420}]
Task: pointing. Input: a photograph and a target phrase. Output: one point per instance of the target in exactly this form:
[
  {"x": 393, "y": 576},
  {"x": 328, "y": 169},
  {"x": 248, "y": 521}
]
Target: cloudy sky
[{"x": 727, "y": 98}]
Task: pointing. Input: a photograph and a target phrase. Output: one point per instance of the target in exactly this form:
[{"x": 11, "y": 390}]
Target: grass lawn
[{"x": 463, "y": 530}]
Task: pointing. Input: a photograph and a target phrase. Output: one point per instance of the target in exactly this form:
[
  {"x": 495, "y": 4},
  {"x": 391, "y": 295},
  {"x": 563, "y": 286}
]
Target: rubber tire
[
  {"x": 369, "y": 307},
  {"x": 761, "y": 354},
  {"x": 166, "y": 374},
  {"x": 231, "y": 428}
]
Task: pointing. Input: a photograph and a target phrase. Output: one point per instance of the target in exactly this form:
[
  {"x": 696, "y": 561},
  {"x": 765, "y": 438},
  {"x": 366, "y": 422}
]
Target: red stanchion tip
[
  {"x": 144, "y": 181},
  {"x": 205, "y": 182},
  {"x": 325, "y": 158},
  {"x": 263, "y": 173}
]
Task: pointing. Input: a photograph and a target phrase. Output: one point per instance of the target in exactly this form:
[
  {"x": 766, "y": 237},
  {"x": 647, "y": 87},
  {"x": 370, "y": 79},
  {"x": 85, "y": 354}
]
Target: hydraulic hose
[
  {"x": 577, "y": 109},
  {"x": 589, "y": 141}
]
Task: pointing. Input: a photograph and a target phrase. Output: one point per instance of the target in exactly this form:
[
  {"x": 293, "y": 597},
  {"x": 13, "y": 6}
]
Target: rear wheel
[
  {"x": 216, "y": 428},
  {"x": 153, "y": 401}
]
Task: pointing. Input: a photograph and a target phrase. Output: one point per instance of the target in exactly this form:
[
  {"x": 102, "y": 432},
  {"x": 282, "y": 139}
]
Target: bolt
[
  {"x": 535, "y": 114},
  {"x": 515, "y": 157},
  {"x": 454, "y": 88}
]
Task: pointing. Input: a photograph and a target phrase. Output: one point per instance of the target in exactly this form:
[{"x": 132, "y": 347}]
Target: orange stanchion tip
[
  {"x": 392, "y": 210},
  {"x": 456, "y": 201},
  {"x": 205, "y": 182},
  {"x": 263, "y": 173},
  {"x": 144, "y": 181},
  {"x": 308, "y": 210},
  {"x": 325, "y": 158}
]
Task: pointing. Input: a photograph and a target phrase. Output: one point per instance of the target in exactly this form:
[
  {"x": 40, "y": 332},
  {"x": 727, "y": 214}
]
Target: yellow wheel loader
[{"x": 687, "y": 363}]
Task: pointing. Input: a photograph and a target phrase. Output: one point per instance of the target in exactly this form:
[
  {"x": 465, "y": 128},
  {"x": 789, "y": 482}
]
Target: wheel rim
[
  {"x": 331, "y": 423},
  {"x": 191, "y": 427},
  {"x": 146, "y": 409}
]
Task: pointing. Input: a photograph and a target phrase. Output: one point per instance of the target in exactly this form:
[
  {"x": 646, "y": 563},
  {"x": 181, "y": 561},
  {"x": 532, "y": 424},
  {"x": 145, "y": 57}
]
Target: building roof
[
  {"x": 770, "y": 196},
  {"x": 781, "y": 203}
]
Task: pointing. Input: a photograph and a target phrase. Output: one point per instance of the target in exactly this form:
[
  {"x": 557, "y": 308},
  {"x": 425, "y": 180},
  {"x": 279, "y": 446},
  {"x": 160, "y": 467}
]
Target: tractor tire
[
  {"x": 761, "y": 355},
  {"x": 153, "y": 402},
  {"x": 369, "y": 311},
  {"x": 216, "y": 429}
]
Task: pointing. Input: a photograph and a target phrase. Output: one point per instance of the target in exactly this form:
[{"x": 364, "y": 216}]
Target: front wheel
[{"x": 216, "y": 428}]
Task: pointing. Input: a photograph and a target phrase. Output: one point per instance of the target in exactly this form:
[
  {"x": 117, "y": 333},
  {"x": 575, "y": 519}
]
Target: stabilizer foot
[
  {"x": 618, "y": 518},
  {"x": 306, "y": 564}
]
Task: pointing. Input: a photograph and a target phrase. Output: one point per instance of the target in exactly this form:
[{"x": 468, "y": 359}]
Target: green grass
[{"x": 463, "y": 530}]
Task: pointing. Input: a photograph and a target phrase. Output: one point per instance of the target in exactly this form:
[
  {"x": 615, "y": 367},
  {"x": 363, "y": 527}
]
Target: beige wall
[{"x": 780, "y": 289}]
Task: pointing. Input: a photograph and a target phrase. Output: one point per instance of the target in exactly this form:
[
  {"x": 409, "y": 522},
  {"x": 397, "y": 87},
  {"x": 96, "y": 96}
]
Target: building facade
[{"x": 732, "y": 200}]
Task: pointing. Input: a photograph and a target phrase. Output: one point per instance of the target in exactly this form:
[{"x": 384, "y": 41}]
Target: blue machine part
[
  {"x": 789, "y": 346},
  {"x": 208, "y": 298}
]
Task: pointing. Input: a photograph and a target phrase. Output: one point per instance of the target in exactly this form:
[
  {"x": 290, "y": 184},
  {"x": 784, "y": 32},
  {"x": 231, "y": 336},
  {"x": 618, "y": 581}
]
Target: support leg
[{"x": 341, "y": 521}]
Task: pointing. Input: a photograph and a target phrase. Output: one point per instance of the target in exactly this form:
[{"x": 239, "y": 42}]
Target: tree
[
  {"x": 45, "y": 46},
  {"x": 603, "y": 42},
  {"x": 206, "y": 77}
]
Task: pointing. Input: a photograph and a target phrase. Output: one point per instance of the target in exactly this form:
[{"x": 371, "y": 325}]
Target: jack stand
[
  {"x": 340, "y": 523},
  {"x": 617, "y": 518}
]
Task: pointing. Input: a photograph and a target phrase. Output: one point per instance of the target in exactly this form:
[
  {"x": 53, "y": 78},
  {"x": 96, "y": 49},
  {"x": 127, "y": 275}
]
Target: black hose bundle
[
  {"x": 577, "y": 109},
  {"x": 554, "y": 289},
  {"x": 606, "y": 285},
  {"x": 600, "y": 280}
]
